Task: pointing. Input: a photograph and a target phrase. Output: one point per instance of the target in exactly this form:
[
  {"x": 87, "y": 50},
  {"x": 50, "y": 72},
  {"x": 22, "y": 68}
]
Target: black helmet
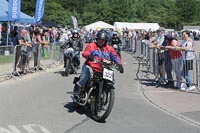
[
  {"x": 114, "y": 33},
  {"x": 102, "y": 34},
  {"x": 75, "y": 31}
]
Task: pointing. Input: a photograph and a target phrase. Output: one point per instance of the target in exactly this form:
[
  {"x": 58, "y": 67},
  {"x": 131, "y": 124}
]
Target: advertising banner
[
  {"x": 14, "y": 9},
  {"x": 39, "y": 11},
  {"x": 74, "y": 20}
]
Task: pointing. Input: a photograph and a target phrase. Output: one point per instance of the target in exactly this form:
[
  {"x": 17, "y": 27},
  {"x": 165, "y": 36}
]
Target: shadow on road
[
  {"x": 80, "y": 110},
  {"x": 62, "y": 73},
  {"x": 71, "y": 108}
]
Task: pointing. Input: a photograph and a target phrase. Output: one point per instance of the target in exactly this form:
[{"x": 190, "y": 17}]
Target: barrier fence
[
  {"x": 15, "y": 60},
  {"x": 6, "y": 59},
  {"x": 156, "y": 63},
  {"x": 158, "y": 66}
]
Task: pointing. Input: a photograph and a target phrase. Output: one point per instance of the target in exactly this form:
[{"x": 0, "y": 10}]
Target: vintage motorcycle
[
  {"x": 71, "y": 61},
  {"x": 98, "y": 95},
  {"x": 117, "y": 49}
]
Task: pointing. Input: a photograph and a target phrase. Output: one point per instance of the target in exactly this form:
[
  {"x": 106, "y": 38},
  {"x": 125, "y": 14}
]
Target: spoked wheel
[
  {"x": 76, "y": 65},
  {"x": 67, "y": 68},
  {"x": 101, "y": 109}
]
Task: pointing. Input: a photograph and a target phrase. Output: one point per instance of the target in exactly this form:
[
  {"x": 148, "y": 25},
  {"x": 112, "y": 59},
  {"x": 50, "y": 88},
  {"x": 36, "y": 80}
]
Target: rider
[
  {"x": 98, "y": 50},
  {"x": 76, "y": 42},
  {"x": 115, "y": 41}
]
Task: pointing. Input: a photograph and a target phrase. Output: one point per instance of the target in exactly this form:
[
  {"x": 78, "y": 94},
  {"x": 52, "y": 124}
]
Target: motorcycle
[
  {"x": 98, "y": 95},
  {"x": 117, "y": 49},
  {"x": 71, "y": 61}
]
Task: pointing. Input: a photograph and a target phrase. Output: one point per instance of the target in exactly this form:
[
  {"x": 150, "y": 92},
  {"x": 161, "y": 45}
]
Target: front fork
[
  {"x": 68, "y": 57},
  {"x": 99, "y": 100}
]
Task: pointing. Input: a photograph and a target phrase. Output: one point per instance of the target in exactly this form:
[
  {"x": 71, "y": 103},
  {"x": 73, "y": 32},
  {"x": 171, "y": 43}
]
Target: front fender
[
  {"x": 67, "y": 56},
  {"x": 110, "y": 85}
]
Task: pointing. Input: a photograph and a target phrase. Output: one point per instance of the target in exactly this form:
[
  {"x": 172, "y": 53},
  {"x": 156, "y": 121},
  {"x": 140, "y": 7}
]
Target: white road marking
[
  {"x": 12, "y": 129},
  {"x": 29, "y": 128}
]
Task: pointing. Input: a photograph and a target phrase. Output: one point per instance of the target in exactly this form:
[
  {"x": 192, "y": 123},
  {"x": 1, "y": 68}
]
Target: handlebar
[
  {"x": 107, "y": 64},
  {"x": 65, "y": 47}
]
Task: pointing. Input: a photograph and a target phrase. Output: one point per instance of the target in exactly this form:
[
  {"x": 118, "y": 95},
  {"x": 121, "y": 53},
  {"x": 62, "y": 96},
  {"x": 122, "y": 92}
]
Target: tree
[{"x": 168, "y": 13}]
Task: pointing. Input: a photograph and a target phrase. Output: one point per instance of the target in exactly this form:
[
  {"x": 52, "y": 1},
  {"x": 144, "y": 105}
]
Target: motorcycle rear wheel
[{"x": 100, "y": 111}]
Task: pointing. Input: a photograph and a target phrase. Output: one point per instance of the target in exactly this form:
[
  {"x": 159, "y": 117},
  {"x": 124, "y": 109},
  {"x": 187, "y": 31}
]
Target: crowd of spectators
[
  {"x": 27, "y": 42},
  {"x": 170, "y": 52}
]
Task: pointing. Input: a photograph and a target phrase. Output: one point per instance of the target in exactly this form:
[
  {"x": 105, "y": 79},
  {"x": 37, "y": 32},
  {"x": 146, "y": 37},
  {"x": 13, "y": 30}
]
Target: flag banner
[
  {"x": 39, "y": 11},
  {"x": 74, "y": 20},
  {"x": 14, "y": 9}
]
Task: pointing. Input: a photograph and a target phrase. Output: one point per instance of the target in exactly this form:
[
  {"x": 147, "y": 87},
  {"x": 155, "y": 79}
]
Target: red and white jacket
[{"x": 106, "y": 52}]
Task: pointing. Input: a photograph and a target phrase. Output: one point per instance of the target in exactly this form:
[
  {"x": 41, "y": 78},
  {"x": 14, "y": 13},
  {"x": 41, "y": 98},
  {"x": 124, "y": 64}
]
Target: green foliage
[{"x": 168, "y": 13}]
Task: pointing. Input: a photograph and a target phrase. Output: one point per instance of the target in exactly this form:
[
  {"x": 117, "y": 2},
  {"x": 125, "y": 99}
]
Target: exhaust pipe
[{"x": 85, "y": 99}]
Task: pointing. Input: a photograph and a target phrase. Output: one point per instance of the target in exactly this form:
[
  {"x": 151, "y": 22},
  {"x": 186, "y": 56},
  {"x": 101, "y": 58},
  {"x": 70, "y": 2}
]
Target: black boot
[
  {"x": 65, "y": 61},
  {"x": 64, "y": 64},
  {"x": 170, "y": 84}
]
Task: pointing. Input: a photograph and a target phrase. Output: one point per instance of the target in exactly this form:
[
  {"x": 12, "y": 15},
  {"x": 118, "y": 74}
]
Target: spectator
[
  {"x": 188, "y": 57},
  {"x": 45, "y": 46},
  {"x": 29, "y": 50},
  {"x": 51, "y": 35},
  {"x": 14, "y": 33},
  {"x": 58, "y": 35},
  {"x": 156, "y": 43},
  {"x": 152, "y": 37},
  {"x": 37, "y": 41},
  {"x": 19, "y": 40},
  {"x": 175, "y": 56},
  {"x": 4, "y": 35},
  {"x": 64, "y": 38}
]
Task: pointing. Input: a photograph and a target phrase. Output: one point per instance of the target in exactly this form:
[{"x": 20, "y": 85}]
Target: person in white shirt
[
  {"x": 187, "y": 48},
  {"x": 64, "y": 37}
]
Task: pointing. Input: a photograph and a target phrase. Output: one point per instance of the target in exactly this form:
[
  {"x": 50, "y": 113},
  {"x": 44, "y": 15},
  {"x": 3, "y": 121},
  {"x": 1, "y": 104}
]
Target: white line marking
[{"x": 12, "y": 129}]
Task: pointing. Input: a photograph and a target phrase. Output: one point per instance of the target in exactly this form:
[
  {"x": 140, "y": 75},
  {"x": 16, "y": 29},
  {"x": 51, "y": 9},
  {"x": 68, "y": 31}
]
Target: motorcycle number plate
[{"x": 108, "y": 74}]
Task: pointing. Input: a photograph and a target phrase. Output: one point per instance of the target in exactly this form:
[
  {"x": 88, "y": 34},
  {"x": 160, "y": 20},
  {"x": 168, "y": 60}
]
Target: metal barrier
[
  {"x": 51, "y": 55},
  {"x": 6, "y": 60},
  {"x": 197, "y": 68},
  {"x": 22, "y": 59},
  {"x": 166, "y": 70}
]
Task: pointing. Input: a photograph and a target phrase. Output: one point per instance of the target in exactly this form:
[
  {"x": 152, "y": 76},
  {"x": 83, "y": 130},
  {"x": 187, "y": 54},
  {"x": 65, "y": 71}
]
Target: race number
[{"x": 108, "y": 74}]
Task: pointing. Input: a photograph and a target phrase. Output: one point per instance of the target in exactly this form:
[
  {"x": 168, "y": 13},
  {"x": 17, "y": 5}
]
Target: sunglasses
[{"x": 101, "y": 39}]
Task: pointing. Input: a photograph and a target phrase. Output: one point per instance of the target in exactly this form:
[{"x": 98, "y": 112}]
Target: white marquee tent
[
  {"x": 142, "y": 26},
  {"x": 98, "y": 25}
]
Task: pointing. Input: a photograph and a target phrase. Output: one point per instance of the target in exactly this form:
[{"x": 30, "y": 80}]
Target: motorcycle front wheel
[
  {"x": 67, "y": 67},
  {"x": 101, "y": 109},
  {"x": 75, "y": 97}
]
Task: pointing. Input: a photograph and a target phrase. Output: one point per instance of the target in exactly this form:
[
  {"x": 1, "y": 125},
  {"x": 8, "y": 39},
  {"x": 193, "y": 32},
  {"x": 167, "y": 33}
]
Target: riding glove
[
  {"x": 91, "y": 58},
  {"x": 121, "y": 69}
]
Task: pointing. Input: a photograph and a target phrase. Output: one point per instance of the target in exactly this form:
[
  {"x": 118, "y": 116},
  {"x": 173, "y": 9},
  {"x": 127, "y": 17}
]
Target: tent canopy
[
  {"x": 24, "y": 18},
  {"x": 98, "y": 25},
  {"x": 141, "y": 26}
]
